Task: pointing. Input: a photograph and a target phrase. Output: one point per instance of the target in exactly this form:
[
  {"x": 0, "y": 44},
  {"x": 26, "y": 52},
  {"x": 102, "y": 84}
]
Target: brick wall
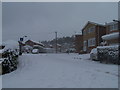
[
  {"x": 97, "y": 34},
  {"x": 78, "y": 43}
]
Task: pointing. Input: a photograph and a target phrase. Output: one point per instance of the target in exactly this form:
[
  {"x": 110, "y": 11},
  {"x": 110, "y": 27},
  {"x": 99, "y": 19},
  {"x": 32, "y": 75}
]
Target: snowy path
[{"x": 61, "y": 71}]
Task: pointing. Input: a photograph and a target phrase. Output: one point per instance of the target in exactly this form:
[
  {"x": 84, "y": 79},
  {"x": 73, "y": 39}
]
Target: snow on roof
[
  {"x": 95, "y": 23},
  {"x": 111, "y": 36},
  {"x": 37, "y": 46},
  {"x": 37, "y": 42},
  {"x": 92, "y": 23},
  {"x": 78, "y": 33},
  {"x": 111, "y": 23}
]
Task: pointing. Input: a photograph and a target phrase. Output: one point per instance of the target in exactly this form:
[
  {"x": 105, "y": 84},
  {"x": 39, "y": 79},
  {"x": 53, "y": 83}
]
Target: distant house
[
  {"x": 112, "y": 34},
  {"x": 78, "y": 43},
  {"x": 59, "y": 47},
  {"x": 92, "y": 33},
  {"x": 32, "y": 43},
  {"x": 27, "y": 46}
]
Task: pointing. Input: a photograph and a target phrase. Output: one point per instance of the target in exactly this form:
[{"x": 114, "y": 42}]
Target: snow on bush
[
  {"x": 108, "y": 54},
  {"x": 112, "y": 46},
  {"x": 9, "y": 56}
]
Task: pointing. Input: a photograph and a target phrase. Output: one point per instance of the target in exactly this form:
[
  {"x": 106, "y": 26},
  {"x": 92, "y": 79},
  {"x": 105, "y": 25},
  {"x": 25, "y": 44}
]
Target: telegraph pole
[{"x": 56, "y": 40}]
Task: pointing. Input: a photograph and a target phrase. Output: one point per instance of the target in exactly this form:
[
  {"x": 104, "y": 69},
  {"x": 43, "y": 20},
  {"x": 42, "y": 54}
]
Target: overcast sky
[{"x": 40, "y": 20}]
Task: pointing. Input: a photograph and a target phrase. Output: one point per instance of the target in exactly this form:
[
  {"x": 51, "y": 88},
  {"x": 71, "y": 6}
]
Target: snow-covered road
[{"x": 61, "y": 71}]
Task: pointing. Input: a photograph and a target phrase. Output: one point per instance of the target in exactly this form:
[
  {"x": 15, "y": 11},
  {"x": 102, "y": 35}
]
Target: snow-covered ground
[{"x": 61, "y": 71}]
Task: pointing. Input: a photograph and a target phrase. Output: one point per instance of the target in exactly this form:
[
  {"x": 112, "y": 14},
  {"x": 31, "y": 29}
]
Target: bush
[
  {"x": 10, "y": 62},
  {"x": 9, "y": 52},
  {"x": 108, "y": 54}
]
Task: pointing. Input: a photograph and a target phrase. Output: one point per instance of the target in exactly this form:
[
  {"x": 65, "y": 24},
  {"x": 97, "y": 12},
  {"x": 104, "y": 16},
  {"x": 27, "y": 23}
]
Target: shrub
[
  {"x": 10, "y": 54},
  {"x": 108, "y": 54},
  {"x": 10, "y": 62}
]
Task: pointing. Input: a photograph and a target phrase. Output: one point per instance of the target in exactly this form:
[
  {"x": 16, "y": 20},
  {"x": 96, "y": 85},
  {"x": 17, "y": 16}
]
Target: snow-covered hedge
[
  {"x": 10, "y": 53},
  {"x": 109, "y": 54},
  {"x": 9, "y": 62}
]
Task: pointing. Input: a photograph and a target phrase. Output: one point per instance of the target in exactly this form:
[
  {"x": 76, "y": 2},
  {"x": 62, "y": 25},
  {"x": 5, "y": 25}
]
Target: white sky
[{"x": 40, "y": 20}]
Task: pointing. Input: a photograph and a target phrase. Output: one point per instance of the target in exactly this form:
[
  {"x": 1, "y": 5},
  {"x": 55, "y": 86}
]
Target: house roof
[
  {"x": 89, "y": 22},
  {"x": 36, "y": 42},
  {"x": 111, "y": 23},
  {"x": 78, "y": 34}
]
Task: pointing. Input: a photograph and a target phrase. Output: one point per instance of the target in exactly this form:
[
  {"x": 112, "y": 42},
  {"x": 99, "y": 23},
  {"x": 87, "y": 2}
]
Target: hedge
[
  {"x": 10, "y": 61},
  {"x": 108, "y": 54}
]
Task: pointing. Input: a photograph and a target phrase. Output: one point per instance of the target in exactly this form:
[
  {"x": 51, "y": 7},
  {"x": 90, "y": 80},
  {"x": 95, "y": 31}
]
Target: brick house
[
  {"x": 92, "y": 33},
  {"x": 27, "y": 46},
  {"x": 112, "y": 34},
  {"x": 78, "y": 43},
  {"x": 32, "y": 43}
]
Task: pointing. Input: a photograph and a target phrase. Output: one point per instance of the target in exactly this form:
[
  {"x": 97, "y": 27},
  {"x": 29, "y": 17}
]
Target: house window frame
[
  {"x": 91, "y": 42},
  {"x": 91, "y": 29},
  {"x": 113, "y": 27},
  {"x": 84, "y": 32}
]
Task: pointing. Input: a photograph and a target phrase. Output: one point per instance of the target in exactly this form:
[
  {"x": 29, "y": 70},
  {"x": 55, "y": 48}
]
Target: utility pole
[{"x": 56, "y": 40}]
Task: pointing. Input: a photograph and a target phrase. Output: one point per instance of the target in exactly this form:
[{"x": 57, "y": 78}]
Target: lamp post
[
  {"x": 56, "y": 40},
  {"x": 20, "y": 44},
  {"x": 118, "y": 21},
  {"x": 118, "y": 26}
]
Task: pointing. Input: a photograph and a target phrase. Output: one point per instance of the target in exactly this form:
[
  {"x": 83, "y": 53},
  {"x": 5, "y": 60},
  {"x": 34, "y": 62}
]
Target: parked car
[
  {"x": 35, "y": 51},
  {"x": 70, "y": 50},
  {"x": 93, "y": 54},
  {"x": 39, "y": 48}
]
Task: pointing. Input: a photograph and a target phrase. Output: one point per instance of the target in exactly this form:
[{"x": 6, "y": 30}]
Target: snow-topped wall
[{"x": 111, "y": 36}]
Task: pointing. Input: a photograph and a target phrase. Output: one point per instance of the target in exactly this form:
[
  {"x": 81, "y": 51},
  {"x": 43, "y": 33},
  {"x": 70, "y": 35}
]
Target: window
[
  {"x": 114, "y": 27},
  {"x": 91, "y": 42},
  {"x": 84, "y": 32},
  {"x": 91, "y": 29}
]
